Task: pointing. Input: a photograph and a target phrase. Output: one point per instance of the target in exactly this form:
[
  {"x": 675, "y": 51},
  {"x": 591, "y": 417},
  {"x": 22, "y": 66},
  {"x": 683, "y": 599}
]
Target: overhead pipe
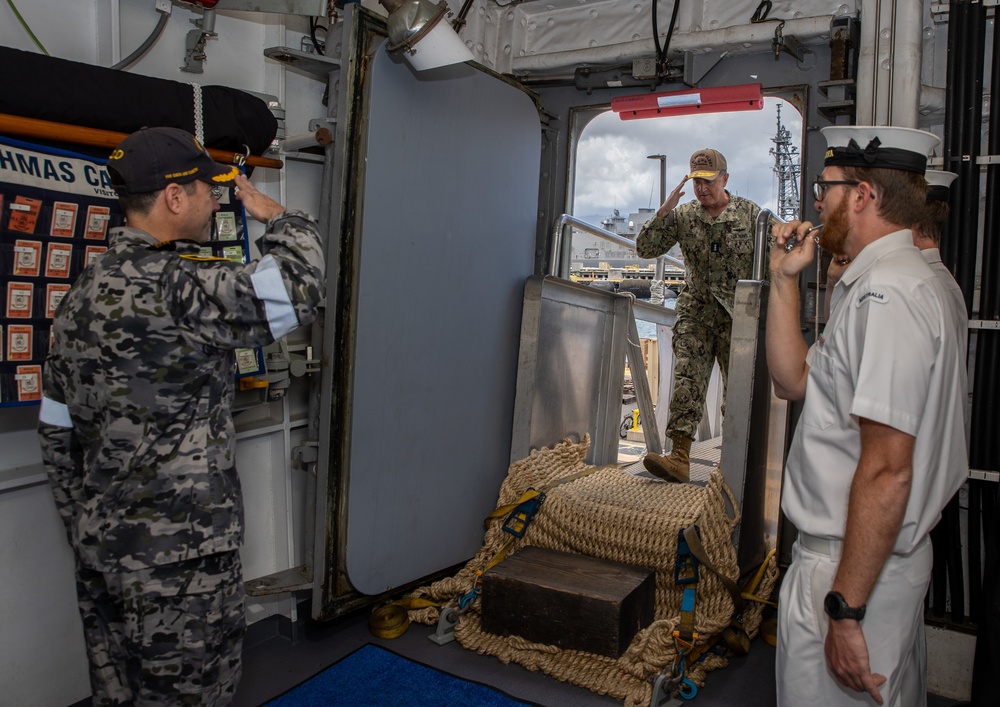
[
  {"x": 985, "y": 678},
  {"x": 989, "y": 293},
  {"x": 867, "y": 94},
  {"x": 982, "y": 455},
  {"x": 954, "y": 127},
  {"x": 95, "y": 137},
  {"x": 985, "y": 448},
  {"x": 967, "y": 238},
  {"x": 717, "y": 39},
  {"x": 966, "y": 45},
  {"x": 889, "y": 90},
  {"x": 906, "y": 57}
]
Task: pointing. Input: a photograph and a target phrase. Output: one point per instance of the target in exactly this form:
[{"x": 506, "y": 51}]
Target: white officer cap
[
  {"x": 878, "y": 146},
  {"x": 939, "y": 183}
]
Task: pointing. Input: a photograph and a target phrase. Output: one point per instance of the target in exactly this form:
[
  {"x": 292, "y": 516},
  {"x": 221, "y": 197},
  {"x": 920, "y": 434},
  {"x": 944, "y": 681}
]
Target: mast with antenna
[{"x": 787, "y": 168}]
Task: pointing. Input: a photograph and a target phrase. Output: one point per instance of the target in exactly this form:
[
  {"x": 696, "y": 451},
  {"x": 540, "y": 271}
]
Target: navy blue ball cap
[{"x": 151, "y": 158}]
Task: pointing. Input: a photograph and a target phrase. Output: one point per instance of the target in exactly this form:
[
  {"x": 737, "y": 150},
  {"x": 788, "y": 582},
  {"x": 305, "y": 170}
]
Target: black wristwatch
[{"x": 837, "y": 608}]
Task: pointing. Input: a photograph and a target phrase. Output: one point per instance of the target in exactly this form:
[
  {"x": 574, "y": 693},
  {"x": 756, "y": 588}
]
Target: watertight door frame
[{"x": 437, "y": 233}]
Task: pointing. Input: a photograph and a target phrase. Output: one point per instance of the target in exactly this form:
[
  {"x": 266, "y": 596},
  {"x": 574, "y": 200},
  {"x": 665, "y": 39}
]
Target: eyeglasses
[
  {"x": 217, "y": 192},
  {"x": 821, "y": 185}
]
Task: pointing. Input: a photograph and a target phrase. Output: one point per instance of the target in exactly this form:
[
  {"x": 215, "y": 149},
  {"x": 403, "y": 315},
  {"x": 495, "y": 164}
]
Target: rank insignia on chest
[{"x": 715, "y": 247}]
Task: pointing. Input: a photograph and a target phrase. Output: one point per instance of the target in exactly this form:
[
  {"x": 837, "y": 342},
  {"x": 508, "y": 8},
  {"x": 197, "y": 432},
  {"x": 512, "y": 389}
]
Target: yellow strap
[
  {"x": 503, "y": 511},
  {"x": 698, "y": 550},
  {"x": 410, "y": 603},
  {"x": 388, "y": 621},
  {"x": 749, "y": 592},
  {"x": 498, "y": 557}
]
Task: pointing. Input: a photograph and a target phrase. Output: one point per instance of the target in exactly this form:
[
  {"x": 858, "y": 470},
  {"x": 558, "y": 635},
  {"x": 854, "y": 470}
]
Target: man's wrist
[{"x": 838, "y": 609}]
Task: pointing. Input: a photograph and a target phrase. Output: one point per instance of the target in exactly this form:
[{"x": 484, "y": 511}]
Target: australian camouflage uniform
[
  {"x": 138, "y": 443},
  {"x": 717, "y": 254}
]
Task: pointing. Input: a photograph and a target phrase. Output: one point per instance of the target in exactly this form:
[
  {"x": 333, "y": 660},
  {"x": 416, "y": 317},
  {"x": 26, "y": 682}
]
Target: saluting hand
[
  {"x": 672, "y": 200},
  {"x": 257, "y": 204}
]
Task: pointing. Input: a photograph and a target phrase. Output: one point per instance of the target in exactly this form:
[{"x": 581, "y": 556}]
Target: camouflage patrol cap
[
  {"x": 151, "y": 158},
  {"x": 707, "y": 164}
]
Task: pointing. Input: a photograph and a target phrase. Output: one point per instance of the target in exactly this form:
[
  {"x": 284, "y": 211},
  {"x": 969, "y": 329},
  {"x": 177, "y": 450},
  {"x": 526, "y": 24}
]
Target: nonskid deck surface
[
  {"x": 705, "y": 456},
  {"x": 275, "y": 664}
]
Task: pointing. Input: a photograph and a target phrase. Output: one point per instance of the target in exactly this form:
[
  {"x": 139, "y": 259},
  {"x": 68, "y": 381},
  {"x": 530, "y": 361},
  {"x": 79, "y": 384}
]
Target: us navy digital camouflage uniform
[
  {"x": 717, "y": 253},
  {"x": 138, "y": 441}
]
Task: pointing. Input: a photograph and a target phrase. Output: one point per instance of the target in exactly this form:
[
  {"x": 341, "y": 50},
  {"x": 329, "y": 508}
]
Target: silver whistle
[{"x": 791, "y": 244}]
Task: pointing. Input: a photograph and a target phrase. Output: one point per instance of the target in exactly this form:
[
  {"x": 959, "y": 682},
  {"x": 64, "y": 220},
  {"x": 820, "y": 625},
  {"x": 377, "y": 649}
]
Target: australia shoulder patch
[{"x": 872, "y": 296}]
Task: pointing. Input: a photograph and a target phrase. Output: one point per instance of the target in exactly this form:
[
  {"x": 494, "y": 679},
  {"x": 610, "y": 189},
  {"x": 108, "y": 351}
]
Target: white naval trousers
[{"x": 893, "y": 627}]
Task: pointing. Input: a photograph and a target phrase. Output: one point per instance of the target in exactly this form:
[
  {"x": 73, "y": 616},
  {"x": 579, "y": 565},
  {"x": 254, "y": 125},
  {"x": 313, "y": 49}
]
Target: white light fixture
[{"x": 416, "y": 30}]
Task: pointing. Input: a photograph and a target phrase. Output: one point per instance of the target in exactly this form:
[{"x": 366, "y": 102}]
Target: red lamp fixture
[{"x": 722, "y": 99}]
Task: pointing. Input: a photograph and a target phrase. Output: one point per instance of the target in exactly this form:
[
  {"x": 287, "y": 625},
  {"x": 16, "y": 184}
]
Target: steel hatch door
[{"x": 446, "y": 217}]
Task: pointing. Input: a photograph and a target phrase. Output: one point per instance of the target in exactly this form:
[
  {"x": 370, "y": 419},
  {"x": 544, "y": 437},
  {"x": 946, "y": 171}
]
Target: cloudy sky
[{"x": 614, "y": 173}]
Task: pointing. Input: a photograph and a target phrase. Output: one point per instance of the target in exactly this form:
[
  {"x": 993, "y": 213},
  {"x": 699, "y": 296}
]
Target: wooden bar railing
[{"x": 94, "y": 137}]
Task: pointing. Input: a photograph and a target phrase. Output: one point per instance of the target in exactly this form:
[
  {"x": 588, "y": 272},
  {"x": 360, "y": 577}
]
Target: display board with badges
[{"x": 56, "y": 211}]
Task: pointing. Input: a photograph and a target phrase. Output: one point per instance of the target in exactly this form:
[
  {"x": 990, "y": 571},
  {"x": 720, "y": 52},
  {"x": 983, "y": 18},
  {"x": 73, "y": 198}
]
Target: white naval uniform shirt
[
  {"x": 955, "y": 297},
  {"x": 890, "y": 354}
]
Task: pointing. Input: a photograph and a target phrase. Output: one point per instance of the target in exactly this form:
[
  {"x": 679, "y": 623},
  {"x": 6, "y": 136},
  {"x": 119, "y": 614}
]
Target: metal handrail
[
  {"x": 653, "y": 313},
  {"x": 568, "y": 220},
  {"x": 765, "y": 219}
]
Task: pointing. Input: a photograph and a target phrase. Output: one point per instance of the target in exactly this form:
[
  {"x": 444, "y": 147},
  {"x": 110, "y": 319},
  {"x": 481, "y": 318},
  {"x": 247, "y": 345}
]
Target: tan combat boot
[{"x": 674, "y": 467}]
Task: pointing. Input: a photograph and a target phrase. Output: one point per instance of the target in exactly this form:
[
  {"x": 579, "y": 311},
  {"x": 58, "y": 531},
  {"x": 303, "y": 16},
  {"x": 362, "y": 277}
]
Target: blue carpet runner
[{"x": 375, "y": 677}]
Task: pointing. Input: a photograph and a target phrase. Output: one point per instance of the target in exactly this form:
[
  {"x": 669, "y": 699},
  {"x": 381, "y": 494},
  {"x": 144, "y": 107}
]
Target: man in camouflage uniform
[
  {"x": 135, "y": 424},
  {"x": 716, "y": 235}
]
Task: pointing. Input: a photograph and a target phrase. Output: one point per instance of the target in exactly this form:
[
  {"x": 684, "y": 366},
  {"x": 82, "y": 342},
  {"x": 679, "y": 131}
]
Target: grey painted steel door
[{"x": 448, "y": 223}]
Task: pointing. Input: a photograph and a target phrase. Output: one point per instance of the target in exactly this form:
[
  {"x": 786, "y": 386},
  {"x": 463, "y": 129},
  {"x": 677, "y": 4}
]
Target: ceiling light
[{"x": 416, "y": 31}]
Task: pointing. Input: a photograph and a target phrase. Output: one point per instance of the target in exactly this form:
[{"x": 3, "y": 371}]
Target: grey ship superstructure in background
[{"x": 597, "y": 259}]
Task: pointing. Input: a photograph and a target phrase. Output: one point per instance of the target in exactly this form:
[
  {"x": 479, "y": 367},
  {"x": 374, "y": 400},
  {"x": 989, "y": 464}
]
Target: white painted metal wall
[{"x": 42, "y": 660}]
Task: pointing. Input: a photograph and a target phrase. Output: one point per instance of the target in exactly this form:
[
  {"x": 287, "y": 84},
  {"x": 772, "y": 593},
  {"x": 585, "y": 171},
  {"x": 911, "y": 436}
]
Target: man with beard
[
  {"x": 926, "y": 228},
  {"x": 136, "y": 425},
  {"x": 716, "y": 237},
  {"x": 879, "y": 448}
]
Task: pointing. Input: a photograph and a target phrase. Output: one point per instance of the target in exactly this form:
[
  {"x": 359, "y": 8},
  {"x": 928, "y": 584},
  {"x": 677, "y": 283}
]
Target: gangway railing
[
  {"x": 565, "y": 220},
  {"x": 653, "y": 313},
  {"x": 755, "y": 429}
]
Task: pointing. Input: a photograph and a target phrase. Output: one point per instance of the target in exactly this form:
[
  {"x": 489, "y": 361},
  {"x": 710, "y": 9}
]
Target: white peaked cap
[
  {"x": 881, "y": 146},
  {"x": 937, "y": 178},
  {"x": 938, "y": 184}
]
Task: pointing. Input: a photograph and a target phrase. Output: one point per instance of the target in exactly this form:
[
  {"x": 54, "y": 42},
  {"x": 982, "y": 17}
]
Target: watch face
[{"x": 838, "y": 608}]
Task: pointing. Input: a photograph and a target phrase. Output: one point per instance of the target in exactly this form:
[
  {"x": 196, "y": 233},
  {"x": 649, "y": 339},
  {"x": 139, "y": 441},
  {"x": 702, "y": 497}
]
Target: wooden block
[{"x": 566, "y": 600}]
